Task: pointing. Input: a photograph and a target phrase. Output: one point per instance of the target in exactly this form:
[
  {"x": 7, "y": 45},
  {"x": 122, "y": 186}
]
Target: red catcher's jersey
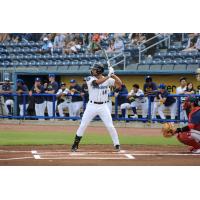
[{"x": 191, "y": 125}]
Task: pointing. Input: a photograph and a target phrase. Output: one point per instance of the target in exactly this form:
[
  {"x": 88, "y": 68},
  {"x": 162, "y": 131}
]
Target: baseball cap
[
  {"x": 20, "y": 81},
  {"x": 52, "y": 75},
  {"x": 45, "y": 39},
  {"x": 148, "y": 79},
  {"x": 162, "y": 86},
  {"x": 37, "y": 79},
  {"x": 62, "y": 83},
  {"x": 6, "y": 79},
  {"x": 72, "y": 81}
]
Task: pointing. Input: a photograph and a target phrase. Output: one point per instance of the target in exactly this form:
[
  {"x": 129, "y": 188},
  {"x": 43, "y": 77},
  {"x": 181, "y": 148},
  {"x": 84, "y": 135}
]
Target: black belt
[{"x": 99, "y": 102}]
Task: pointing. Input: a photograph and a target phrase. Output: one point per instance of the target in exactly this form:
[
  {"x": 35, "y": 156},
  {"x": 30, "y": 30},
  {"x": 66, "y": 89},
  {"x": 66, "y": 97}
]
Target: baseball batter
[{"x": 98, "y": 86}]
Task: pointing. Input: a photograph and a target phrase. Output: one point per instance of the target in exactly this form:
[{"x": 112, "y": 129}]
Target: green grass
[{"x": 45, "y": 138}]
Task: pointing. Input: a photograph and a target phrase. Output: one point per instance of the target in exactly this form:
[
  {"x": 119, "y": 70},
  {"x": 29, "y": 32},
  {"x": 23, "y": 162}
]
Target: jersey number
[{"x": 104, "y": 92}]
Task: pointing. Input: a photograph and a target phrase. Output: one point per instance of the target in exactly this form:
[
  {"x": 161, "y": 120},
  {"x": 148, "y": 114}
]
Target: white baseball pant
[
  {"x": 143, "y": 106},
  {"x": 39, "y": 109},
  {"x": 110, "y": 106},
  {"x": 172, "y": 109},
  {"x": 49, "y": 105},
  {"x": 64, "y": 105},
  {"x": 102, "y": 110},
  {"x": 195, "y": 135},
  {"x": 125, "y": 106},
  {"x": 76, "y": 107},
  {"x": 8, "y": 102},
  {"x": 21, "y": 109}
]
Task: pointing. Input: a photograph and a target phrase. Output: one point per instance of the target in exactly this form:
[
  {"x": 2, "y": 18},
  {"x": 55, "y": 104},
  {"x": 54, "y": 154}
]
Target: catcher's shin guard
[
  {"x": 186, "y": 139},
  {"x": 77, "y": 140}
]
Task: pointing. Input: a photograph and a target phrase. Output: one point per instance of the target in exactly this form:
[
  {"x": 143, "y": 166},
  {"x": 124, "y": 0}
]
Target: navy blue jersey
[
  {"x": 122, "y": 97},
  {"x": 23, "y": 90},
  {"x": 150, "y": 89},
  {"x": 38, "y": 99},
  {"x": 78, "y": 91},
  {"x": 51, "y": 87},
  {"x": 7, "y": 87},
  {"x": 169, "y": 100}
]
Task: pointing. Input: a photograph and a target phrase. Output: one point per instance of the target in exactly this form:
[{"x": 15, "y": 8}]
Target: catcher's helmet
[{"x": 99, "y": 68}]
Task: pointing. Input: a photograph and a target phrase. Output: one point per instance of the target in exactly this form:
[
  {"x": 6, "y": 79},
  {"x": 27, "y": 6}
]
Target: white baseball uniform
[
  {"x": 140, "y": 101},
  {"x": 183, "y": 115},
  {"x": 97, "y": 105},
  {"x": 66, "y": 104},
  {"x": 109, "y": 101}
]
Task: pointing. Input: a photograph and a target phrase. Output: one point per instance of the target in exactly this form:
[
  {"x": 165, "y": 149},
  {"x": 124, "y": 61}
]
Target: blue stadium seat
[
  {"x": 168, "y": 67},
  {"x": 155, "y": 67},
  {"x": 189, "y": 60},
  {"x": 178, "y": 61},
  {"x": 192, "y": 67},
  {"x": 180, "y": 67},
  {"x": 143, "y": 67},
  {"x": 167, "y": 61}
]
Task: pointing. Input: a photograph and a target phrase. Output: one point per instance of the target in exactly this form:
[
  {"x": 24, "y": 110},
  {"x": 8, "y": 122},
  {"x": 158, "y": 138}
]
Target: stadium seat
[
  {"x": 167, "y": 67},
  {"x": 132, "y": 67},
  {"x": 180, "y": 67},
  {"x": 192, "y": 67},
  {"x": 143, "y": 67},
  {"x": 84, "y": 68},
  {"x": 155, "y": 67},
  {"x": 73, "y": 68}
]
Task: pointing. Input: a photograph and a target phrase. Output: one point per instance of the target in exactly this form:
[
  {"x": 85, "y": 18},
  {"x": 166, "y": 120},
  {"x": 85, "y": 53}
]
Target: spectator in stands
[
  {"x": 51, "y": 88},
  {"x": 64, "y": 101},
  {"x": 8, "y": 100},
  {"x": 111, "y": 47},
  {"x": 3, "y": 37},
  {"x": 73, "y": 47},
  {"x": 181, "y": 91},
  {"x": 77, "y": 101},
  {"x": 86, "y": 39},
  {"x": 139, "y": 101},
  {"x": 119, "y": 44},
  {"x": 150, "y": 88},
  {"x": 94, "y": 44},
  {"x": 152, "y": 50},
  {"x": 190, "y": 89},
  {"x": 190, "y": 48},
  {"x": 47, "y": 47},
  {"x": 121, "y": 94},
  {"x": 137, "y": 38},
  {"x": 164, "y": 101},
  {"x": 22, "y": 100},
  {"x": 39, "y": 101},
  {"x": 197, "y": 45},
  {"x": 59, "y": 41}
]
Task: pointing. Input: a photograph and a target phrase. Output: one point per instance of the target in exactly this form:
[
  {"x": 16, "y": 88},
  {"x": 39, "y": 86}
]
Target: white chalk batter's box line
[
  {"x": 79, "y": 155},
  {"x": 100, "y": 155},
  {"x": 66, "y": 155}
]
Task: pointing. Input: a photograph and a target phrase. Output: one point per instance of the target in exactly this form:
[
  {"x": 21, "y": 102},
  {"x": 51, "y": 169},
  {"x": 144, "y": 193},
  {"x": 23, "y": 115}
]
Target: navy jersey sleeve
[{"x": 55, "y": 87}]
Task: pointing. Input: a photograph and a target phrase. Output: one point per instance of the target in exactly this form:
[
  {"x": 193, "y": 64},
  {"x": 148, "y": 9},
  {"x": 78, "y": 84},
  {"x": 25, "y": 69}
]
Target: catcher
[{"x": 190, "y": 134}]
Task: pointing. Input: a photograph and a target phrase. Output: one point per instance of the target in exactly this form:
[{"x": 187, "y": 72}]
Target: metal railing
[
  {"x": 116, "y": 115},
  {"x": 166, "y": 38}
]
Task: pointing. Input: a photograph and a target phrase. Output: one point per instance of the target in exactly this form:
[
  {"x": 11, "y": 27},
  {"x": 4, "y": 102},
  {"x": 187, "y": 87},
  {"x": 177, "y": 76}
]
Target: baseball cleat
[
  {"x": 74, "y": 147},
  {"x": 77, "y": 140},
  {"x": 134, "y": 116},
  {"x": 196, "y": 151},
  {"x": 117, "y": 147}
]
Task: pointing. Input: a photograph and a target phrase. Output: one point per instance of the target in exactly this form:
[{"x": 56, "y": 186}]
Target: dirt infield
[{"x": 89, "y": 155}]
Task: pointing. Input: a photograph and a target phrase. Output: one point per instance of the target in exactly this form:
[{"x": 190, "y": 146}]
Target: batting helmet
[{"x": 98, "y": 67}]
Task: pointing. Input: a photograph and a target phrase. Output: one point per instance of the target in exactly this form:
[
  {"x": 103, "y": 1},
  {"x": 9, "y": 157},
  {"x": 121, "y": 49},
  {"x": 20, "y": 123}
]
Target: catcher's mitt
[{"x": 168, "y": 130}]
